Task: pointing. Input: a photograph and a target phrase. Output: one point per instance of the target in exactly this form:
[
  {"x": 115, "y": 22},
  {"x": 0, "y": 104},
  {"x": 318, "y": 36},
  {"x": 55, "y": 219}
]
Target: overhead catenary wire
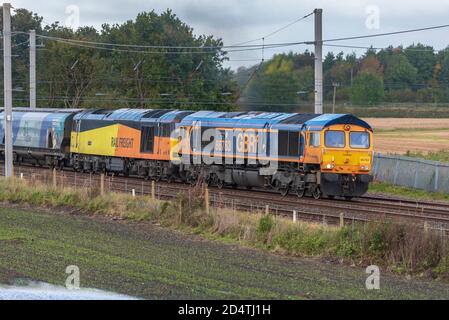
[
  {"x": 154, "y": 101},
  {"x": 276, "y": 31},
  {"x": 203, "y": 51},
  {"x": 384, "y": 48},
  {"x": 239, "y": 45},
  {"x": 203, "y": 47},
  {"x": 384, "y": 34}
]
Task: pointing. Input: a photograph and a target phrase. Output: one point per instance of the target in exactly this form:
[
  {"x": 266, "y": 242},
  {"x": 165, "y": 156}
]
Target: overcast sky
[{"x": 240, "y": 20}]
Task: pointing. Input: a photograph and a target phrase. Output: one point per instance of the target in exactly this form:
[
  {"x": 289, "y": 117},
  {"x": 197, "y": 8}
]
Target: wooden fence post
[
  {"x": 55, "y": 184},
  {"x": 295, "y": 216},
  {"x": 426, "y": 227},
  {"x": 102, "y": 184},
  {"x": 206, "y": 198},
  {"x": 267, "y": 209},
  {"x": 180, "y": 212},
  {"x": 153, "y": 190},
  {"x": 342, "y": 220}
]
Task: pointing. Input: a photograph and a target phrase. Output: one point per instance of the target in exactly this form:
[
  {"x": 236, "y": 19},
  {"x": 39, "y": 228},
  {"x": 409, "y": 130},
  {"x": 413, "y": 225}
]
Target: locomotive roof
[
  {"x": 141, "y": 115},
  {"x": 276, "y": 120},
  {"x": 326, "y": 120}
]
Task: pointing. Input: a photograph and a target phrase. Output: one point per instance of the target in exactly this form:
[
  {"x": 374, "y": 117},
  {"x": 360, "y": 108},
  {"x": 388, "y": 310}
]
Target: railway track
[{"x": 327, "y": 211}]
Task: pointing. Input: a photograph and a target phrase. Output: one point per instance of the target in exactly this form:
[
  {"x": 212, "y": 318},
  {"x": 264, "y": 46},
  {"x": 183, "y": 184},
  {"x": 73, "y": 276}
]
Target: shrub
[{"x": 264, "y": 228}]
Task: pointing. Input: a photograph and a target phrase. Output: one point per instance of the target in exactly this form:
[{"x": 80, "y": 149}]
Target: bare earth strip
[
  {"x": 143, "y": 260},
  {"x": 398, "y": 135},
  {"x": 408, "y": 123}
]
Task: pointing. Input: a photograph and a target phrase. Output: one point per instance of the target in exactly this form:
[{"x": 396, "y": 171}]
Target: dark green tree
[
  {"x": 92, "y": 74},
  {"x": 367, "y": 89},
  {"x": 423, "y": 59},
  {"x": 399, "y": 72}
]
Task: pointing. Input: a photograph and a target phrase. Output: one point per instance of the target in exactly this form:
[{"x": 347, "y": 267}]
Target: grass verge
[
  {"x": 441, "y": 155},
  {"x": 415, "y": 194},
  {"x": 401, "y": 248}
]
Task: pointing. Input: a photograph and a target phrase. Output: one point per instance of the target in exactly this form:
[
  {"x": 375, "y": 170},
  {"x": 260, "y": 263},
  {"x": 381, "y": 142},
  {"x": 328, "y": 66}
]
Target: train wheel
[
  {"x": 170, "y": 179},
  {"x": 317, "y": 193},
  {"x": 220, "y": 184},
  {"x": 191, "y": 180},
  {"x": 284, "y": 192},
  {"x": 349, "y": 198},
  {"x": 301, "y": 193}
]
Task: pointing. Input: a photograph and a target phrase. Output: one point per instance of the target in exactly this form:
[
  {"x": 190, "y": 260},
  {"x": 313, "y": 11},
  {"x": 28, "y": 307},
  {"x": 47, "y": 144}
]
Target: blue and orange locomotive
[{"x": 318, "y": 155}]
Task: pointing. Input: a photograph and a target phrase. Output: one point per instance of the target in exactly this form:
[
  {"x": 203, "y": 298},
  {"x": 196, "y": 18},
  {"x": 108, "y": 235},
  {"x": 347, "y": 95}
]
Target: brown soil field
[
  {"x": 408, "y": 123},
  {"x": 397, "y": 135}
]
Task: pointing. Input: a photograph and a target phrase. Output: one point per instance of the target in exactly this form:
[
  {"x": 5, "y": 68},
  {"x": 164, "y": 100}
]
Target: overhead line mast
[
  {"x": 318, "y": 61},
  {"x": 33, "y": 69},
  {"x": 7, "y": 89}
]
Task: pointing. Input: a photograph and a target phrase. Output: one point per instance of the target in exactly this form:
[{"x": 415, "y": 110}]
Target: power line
[
  {"x": 96, "y": 43},
  {"x": 155, "y": 101},
  {"x": 201, "y": 49},
  {"x": 382, "y": 48},
  {"x": 276, "y": 31},
  {"x": 246, "y": 48},
  {"x": 386, "y": 33}
]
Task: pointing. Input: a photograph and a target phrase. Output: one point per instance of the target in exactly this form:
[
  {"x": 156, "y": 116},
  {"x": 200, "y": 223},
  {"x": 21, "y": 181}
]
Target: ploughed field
[
  {"x": 143, "y": 260},
  {"x": 400, "y": 135}
]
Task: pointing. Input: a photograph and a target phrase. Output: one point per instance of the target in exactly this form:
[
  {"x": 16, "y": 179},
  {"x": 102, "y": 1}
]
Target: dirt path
[{"x": 147, "y": 261}]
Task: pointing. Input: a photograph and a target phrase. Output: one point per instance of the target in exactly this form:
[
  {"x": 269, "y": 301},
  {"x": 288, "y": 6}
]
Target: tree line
[
  {"x": 416, "y": 73},
  {"x": 87, "y": 75},
  {"x": 81, "y": 75}
]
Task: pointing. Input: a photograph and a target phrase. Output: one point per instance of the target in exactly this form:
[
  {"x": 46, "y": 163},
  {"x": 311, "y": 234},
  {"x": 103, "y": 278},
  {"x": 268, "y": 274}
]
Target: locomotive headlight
[
  {"x": 330, "y": 166},
  {"x": 364, "y": 168}
]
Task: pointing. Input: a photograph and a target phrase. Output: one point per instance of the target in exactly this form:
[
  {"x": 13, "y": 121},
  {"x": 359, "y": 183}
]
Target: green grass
[
  {"x": 398, "y": 247},
  {"x": 142, "y": 260},
  {"x": 442, "y": 155},
  {"x": 414, "y": 194}
]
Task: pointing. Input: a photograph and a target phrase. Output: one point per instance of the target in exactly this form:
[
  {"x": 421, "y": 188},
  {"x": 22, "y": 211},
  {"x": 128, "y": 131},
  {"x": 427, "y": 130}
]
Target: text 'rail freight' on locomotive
[{"x": 318, "y": 155}]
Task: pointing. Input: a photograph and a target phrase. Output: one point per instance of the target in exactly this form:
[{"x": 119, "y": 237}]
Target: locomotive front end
[{"x": 347, "y": 160}]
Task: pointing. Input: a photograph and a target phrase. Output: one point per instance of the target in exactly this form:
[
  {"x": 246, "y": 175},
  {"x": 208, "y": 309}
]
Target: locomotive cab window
[
  {"x": 359, "y": 140},
  {"x": 314, "y": 139},
  {"x": 147, "y": 144},
  {"x": 335, "y": 139}
]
